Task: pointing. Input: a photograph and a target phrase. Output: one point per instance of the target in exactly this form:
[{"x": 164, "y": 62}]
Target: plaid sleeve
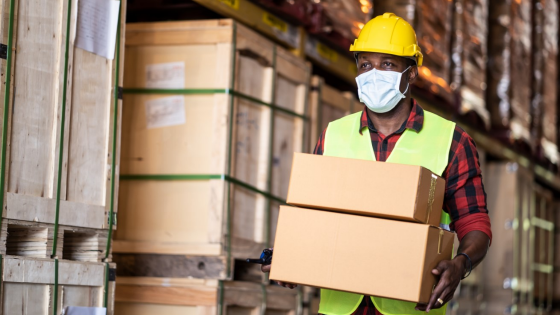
[
  {"x": 464, "y": 192},
  {"x": 320, "y": 146}
]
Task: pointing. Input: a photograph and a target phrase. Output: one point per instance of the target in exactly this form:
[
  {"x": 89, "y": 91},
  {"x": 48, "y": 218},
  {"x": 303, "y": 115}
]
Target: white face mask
[{"x": 380, "y": 90}]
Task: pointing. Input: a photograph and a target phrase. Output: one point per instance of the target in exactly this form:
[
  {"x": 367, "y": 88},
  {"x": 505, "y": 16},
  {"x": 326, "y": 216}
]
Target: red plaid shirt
[{"x": 465, "y": 199}]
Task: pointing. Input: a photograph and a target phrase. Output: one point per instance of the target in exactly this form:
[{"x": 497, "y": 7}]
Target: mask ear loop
[{"x": 407, "y": 84}]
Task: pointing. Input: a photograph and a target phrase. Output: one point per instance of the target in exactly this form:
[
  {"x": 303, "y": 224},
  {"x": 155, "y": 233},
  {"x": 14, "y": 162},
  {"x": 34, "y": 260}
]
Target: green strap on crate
[
  {"x": 195, "y": 177},
  {"x": 5, "y": 118},
  {"x": 113, "y": 156},
  {"x": 231, "y": 92},
  {"x": 229, "y": 272},
  {"x": 60, "y": 155}
]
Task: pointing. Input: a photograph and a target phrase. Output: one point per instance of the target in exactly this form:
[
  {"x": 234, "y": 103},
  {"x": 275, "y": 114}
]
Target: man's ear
[{"x": 412, "y": 73}]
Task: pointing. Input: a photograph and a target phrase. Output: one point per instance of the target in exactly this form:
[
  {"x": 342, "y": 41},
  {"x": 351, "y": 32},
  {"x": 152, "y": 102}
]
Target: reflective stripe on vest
[{"x": 428, "y": 148}]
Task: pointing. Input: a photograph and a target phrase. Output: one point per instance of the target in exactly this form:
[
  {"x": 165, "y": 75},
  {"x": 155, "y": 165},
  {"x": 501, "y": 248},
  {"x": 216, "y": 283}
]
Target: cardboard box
[
  {"x": 386, "y": 190},
  {"x": 360, "y": 254}
]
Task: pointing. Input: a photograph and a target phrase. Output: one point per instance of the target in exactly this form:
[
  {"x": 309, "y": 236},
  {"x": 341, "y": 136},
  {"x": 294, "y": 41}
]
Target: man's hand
[
  {"x": 266, "y": 268},
  {"x": 450, "y": 273}
]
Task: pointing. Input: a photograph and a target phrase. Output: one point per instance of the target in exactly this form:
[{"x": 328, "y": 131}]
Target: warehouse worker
[{"x": 388, "y": 57}]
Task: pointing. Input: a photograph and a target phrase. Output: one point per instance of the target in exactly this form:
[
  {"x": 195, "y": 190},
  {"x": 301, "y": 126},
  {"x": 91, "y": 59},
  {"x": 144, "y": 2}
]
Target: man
[{"x": 388, "y": 57}]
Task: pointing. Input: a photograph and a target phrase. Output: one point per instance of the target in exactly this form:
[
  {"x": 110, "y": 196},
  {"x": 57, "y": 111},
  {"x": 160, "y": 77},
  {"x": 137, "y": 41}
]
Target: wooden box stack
[
  {"x": 60, "y": 140},
  {"x": 212, "y": 115}
]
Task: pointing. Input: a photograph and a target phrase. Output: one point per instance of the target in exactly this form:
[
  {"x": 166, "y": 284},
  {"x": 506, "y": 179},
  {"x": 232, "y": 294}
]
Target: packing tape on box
[{"x": 431, "y": 196}]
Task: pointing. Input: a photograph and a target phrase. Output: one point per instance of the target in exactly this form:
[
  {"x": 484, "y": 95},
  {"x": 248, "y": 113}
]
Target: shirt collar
[{"x": 414, "y": 122}]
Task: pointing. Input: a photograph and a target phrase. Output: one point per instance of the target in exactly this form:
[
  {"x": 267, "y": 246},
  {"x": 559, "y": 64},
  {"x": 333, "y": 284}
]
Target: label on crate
[
  {"x": 282, "y": 30},
  {"x": 76, "y": 310},
  {"x": 165, "y": 112},
  {"x": 97, "y": 26},
  {"x": 326, "y": 52},
  {"x": 231, "y": 3},
  {"x": 275, "y": 22},
  {"x": 169, "y": 75}
]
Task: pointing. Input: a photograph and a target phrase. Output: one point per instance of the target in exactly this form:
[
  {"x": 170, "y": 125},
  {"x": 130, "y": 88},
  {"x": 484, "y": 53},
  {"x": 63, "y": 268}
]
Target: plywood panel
[{"x": 223, "y": 135}]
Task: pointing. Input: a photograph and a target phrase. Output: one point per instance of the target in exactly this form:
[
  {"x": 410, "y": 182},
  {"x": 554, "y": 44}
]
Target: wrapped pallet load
[
  {"x": 60, "y": 153},
  {"x": 510, "y": 87},
  {"x": 432, "y": 21},
  {"x": 550, "y": 75},
  {"x": 212, "y": 115},
  {"x": 469, "y": 59}
]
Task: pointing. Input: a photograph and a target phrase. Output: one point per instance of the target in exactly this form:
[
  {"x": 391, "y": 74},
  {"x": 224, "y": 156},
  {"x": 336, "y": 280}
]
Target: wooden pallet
[
  {"x": 29, "y": 286},
  {"x": 34, "y": 119},
  {"x": 143, "y": 296},
  {"x": 327, "y": 104},
  {"x": 233, "y": 133},
  {"x": 34, "y": 239}
]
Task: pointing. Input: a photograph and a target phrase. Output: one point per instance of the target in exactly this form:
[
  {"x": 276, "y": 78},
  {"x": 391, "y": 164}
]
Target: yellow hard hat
[{"x": 389, "y": 34}]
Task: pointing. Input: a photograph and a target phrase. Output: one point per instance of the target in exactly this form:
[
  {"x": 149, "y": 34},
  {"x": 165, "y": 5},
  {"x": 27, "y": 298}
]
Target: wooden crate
[
  {"x": 29, "y": 286},
  {"x": 509, "y": 191},
  {"x": 34, "y": 119},
  {"x": 327, "y": 104},
  {"x": 143, "y": 296},
  {"x": 213, "y": 113}
]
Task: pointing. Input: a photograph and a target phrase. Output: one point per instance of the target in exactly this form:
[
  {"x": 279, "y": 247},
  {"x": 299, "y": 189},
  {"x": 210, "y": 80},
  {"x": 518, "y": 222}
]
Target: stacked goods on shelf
[
  {"x": 431, "y": 20},
  {"x": 509, "y": 54},
  {"x": 550, "y": 74},
  {"x": 499, "y": 72},
  {"x": 342, "y": 20},
  {"x": 469, "y": 59},
  {"x": 518, "y": 271},
  {"x": 327, "y": 104},
  {"x": 212, "y": 115},
  {"x": 139, "y": 296},
  {"x": 520, "y": 65},
  {"x": 60, "y": 153}
]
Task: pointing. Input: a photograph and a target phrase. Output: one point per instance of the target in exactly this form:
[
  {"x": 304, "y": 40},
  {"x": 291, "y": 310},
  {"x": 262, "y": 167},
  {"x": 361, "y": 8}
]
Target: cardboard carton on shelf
[
  {"x": 360, "y": 254},
  {"x": 379, "y": 189}
]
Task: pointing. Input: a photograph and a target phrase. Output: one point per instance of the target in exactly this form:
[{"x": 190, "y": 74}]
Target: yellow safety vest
[{"x": 428, "y": 148}]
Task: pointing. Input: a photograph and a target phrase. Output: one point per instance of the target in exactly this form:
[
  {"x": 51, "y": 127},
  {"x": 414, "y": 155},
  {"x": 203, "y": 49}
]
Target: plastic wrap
[
  {"x": 469, "y": 56},
  {"x": 347, "y": 17},
  {"x": 499, "y": 56},
  {"x": 521, "y": 69},
  {"x": 550, "y": 75},
  {"x": 431, "y": 20}
]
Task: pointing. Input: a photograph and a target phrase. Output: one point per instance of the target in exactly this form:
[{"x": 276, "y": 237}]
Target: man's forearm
[{"x": 475, "y": 245}]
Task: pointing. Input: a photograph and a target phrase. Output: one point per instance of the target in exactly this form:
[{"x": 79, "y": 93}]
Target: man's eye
[
  {"x": 364, "y": 65},
  {"x": 388, "y": 64}
]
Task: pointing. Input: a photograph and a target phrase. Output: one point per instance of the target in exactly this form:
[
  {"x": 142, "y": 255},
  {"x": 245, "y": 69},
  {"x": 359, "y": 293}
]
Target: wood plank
[
  {"x": 171, "y": 266},
  {"x": 200, "y": 296},
  {"x": 33, "y": 208},
  {"x": 41, "y": 271},
  {"x": 165, "y": 248},
  {"x": 126, "y": 308},
  {"x": 33, "y": 119}
]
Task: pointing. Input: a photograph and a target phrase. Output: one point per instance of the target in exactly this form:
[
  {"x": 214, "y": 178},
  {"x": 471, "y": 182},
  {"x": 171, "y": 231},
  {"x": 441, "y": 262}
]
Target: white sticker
[
  {"x": 164, "y": 112},
  {"x": 76, "y": 310},
  {"x": 97, "y": 26},
  {"x": 166, "y": 75}
]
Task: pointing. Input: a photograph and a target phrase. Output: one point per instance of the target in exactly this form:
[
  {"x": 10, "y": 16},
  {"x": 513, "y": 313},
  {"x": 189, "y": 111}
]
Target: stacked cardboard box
[{"x": 381, "y": 239}]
